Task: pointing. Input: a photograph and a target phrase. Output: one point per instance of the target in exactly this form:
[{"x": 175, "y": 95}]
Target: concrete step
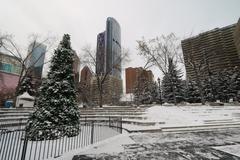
[
  {"x": 112, "y": 114},
  {"x": 5, "y": 112},
  {"x": 139, "y": 117},
  {"x": 15, "y": 115},
  {"x": 201, "y": 127},
  {"x": 13, "y": 119}
]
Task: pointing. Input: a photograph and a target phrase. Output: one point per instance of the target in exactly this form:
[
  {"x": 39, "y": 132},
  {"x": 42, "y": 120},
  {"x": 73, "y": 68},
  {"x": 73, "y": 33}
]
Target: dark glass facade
[
  {"x": 113, "y": 47},
  {"x": 36, "y": 59},
  {"x": 100, "y": 57}
]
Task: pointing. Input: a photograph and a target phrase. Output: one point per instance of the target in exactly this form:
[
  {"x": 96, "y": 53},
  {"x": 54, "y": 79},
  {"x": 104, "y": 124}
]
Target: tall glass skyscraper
[
  {"x": 100, "y": 56},
  {"x": 108, "y": 57},
  {"x": 113, "y": 47},
  {"x": 36, "y": 59}
]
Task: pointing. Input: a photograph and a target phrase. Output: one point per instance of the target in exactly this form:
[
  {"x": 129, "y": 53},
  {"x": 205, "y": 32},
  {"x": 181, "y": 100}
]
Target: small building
[{"x": 25, "y": 100}]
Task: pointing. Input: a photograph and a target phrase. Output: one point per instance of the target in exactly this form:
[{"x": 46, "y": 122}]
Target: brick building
[{"x": 134, "y": 74}]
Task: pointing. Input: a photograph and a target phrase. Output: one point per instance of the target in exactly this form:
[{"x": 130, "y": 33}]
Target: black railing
[{"x": 14, "y": 144}]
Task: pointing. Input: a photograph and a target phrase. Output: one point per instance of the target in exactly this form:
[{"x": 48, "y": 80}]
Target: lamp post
[{"x": 159, "y": 90}]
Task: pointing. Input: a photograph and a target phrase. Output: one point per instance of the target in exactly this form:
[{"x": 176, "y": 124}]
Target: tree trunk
[
  {"x": 199, "y": 85},
  {"x": 174, "y": 96},
  {"x": 100, "y": 97},
  {"x": 201, "y": 91}
]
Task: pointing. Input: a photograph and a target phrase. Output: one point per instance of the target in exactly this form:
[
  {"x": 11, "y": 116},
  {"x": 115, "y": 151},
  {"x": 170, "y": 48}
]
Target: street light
[{"x": 159, "y": 90}]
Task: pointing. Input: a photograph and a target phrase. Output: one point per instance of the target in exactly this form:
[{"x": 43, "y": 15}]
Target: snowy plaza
[
  {"x": 178, "y": 132},
  {"x": 119, "y": 80}
]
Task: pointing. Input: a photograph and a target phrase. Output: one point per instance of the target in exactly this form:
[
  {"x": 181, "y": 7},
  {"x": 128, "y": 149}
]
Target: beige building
[
  {"x": 237, "y": 37},
  {"x": 112, "y": 90},
  {"x": 216, "y": 50}
]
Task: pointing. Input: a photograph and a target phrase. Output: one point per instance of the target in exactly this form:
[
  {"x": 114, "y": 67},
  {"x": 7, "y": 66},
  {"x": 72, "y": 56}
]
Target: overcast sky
[{"x": 84, "y": 19}]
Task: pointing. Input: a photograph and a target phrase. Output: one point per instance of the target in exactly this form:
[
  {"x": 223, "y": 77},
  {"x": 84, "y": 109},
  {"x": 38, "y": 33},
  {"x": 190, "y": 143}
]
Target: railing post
[
  {"x": 24, "y": 150},
  {"x": 92, "y": 132},
  {"x": 121, "y": 125},
  {"x": 109, "y": 122}
]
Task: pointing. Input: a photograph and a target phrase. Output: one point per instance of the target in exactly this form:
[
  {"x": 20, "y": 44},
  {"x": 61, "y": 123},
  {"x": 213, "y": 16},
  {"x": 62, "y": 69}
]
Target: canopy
[{"x": 25, "y": 95}]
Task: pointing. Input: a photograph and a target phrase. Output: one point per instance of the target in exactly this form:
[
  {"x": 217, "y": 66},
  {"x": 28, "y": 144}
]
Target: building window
[{"x": 5, "y": 67}]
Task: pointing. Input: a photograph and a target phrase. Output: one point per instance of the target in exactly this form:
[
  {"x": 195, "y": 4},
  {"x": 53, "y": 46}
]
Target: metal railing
[{"x": 14, "y": 144}]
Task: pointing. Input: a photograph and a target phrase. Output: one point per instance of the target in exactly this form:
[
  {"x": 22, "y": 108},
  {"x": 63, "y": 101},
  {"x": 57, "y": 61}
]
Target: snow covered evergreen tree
[
  {"x": 172, "y": 86},
  {"x": 192, "y": 93},
  {"x": 149, "y": 94},
  {"x": 209, "y": 88},
  {"x": 223, "y": 85},
  {"x": 26, "y": 86},
  {"x": 56, "y": 112},
  {"x": 235, "y": 84}
]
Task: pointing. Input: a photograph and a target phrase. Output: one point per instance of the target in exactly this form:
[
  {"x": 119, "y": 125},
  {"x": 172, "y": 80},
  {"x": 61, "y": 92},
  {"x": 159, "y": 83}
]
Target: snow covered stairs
[
  {"x": 14, "y": 117},
  {"x": 131, "y": 116}
]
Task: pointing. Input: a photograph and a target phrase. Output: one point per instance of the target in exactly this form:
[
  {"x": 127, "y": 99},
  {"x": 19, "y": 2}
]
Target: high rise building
[
  {"x": 215, "y": 50},
  {"x": 134, "y": 74},
  {"x": 237, "y": 36},
  {"x": 36, "y": 59},
  {"x": 101, "y": 53},
  {"x": 108, "y": 57},
  {"x": 113, "y": 47},
  {"x": 108, "y": 60}
]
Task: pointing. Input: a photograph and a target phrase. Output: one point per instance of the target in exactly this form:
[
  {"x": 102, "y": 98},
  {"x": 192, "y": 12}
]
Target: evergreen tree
[
  {"x": 26, "y": 86},
  {"x": 210, "y": 88},
  {"x": 172, "y": 86},
  {"x": 192, "y": 93},
  {"x": 56, "y": 112},
  {"x": 235, "y": 84},
  {"x": 149, "y": 93},
  {"x": 223, "y": 85}
]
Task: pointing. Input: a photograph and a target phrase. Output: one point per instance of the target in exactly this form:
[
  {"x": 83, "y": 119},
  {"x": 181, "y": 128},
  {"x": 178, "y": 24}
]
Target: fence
[{"x": 15, "y": 146}]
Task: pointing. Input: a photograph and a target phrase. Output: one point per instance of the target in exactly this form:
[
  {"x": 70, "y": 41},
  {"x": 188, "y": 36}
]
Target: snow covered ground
[
  {"x": 215, "y": 145},
  {"x": 111, "y": 145},
  {"x": 191, "y": 144},
  {"x": 181, "y": 116},
  {"x": 231, "y": 149}
]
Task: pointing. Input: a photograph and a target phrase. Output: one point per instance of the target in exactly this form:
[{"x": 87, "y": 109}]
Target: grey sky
[{"x": 84, "y": 19}]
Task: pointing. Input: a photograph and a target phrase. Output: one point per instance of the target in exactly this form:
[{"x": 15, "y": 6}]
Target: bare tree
[
  {"x": 10, "y": 47},
  {"x": 101, "y": 77},
  {"x": 160, "y": 51}
]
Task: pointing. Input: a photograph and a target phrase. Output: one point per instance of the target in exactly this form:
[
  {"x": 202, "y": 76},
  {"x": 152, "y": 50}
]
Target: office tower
[
  {"x": 132, "y": 76},
  {"x": 215, "y": 50},
  {"x": 108, "y": 57},
  {"x": 36, "y": 59},
  {"x": 108, "y": 61},
  {"x": 113, "y": 47},
  {"x": 100, "y": 55}
]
